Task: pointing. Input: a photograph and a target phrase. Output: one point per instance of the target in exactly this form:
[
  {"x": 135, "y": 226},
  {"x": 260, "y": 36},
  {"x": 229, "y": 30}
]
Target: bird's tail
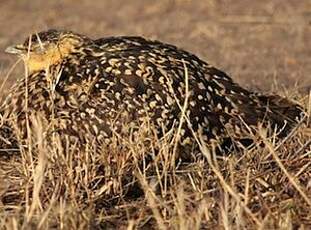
[
  {"x": 281, "y": 113},
  {"x": 274, "y": 112}
]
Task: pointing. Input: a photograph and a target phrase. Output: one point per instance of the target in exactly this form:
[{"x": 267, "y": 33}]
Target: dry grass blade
[
  {"x": 38, "y": 173},
  {"x": 9, "y": 73},
  {"x": 207, "y": 153},
  {"x": 152, "y": 201},
  {"x": 292, "y": 179}
]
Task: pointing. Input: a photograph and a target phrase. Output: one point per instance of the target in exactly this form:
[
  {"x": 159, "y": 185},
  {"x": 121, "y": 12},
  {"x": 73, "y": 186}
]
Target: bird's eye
[{"x": 33, "y": 40}]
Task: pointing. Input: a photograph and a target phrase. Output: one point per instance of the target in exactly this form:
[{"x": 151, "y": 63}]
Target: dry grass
[{"x": 136, "y": 182}]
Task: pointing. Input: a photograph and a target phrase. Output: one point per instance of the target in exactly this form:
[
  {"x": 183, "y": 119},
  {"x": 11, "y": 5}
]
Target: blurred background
[{"x": 264, "y": 45}]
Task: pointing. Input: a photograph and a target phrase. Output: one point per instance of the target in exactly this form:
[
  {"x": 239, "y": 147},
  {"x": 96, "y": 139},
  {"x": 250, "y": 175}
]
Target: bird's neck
[
  {"x": 36, "y": 64},
  {"x": 39, "y": 62}
]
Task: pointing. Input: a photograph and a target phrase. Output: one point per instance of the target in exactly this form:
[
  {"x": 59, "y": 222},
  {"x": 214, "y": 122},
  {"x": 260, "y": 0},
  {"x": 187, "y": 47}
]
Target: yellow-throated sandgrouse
[{"x": 92, "y": 88}]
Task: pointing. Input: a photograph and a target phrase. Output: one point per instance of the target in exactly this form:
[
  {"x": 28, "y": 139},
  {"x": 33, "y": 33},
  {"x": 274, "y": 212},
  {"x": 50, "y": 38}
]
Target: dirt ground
[{"x": 264, "y": 45}]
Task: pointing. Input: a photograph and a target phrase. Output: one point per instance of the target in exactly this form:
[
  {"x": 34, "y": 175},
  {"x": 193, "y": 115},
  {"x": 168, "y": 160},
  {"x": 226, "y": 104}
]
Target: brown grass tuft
[{"x": 133, "y": 183}]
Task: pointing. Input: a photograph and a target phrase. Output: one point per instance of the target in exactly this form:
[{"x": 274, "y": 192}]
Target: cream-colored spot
[
  {"x": 201, "y": 86},
  {"x": 152, "y": 104},
  {"x": 128, "y": 72}
]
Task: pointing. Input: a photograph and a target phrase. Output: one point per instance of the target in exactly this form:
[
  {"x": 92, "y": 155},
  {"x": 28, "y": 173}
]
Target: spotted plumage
[{"x": 90, "y": 88}]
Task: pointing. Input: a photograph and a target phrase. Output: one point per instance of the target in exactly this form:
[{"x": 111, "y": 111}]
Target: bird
[{"x": 91, "y": 89}]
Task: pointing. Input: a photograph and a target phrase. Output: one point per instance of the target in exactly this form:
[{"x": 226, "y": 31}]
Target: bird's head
[{"x": 41, "y": 50}]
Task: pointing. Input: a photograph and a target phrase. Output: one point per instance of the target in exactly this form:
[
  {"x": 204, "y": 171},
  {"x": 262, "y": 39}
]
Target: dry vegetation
[{"x": 136, "y": 182}]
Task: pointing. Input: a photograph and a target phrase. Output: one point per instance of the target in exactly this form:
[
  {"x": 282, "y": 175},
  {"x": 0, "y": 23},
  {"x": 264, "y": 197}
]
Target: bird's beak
[{"x": 18, "y": 49}]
